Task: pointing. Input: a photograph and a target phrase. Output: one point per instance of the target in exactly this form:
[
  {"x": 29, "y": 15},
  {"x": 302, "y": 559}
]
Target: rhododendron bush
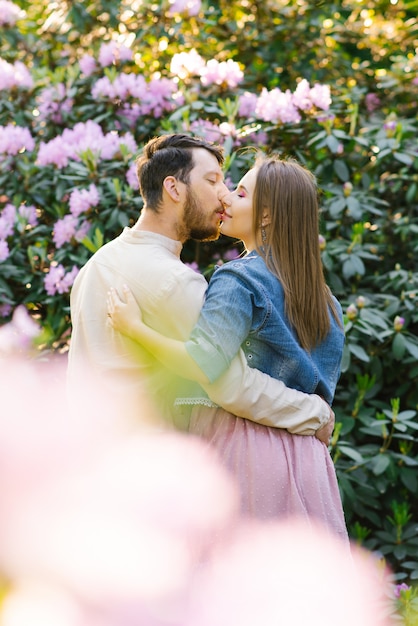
[{"x": 84, "y": 85}]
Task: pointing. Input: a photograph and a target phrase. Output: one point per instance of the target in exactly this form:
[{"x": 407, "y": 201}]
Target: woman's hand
[{"x": 123, "y": 315}]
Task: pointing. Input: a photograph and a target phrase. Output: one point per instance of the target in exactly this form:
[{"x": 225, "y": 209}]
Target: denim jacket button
[{"x": 248, "y": 343}]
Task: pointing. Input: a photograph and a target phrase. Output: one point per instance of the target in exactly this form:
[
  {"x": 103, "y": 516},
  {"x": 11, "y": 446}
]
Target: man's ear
[{"x": 171, "y": 186}]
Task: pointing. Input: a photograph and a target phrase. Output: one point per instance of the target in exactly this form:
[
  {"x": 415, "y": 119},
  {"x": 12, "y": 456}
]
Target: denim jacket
[{"x": 244, "y": 307}]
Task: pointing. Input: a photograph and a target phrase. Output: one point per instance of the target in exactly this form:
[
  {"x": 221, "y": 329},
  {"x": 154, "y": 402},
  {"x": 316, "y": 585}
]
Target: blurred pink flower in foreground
[
  {"x": 17, "y": 336},
  {"x": 287, "y": 573},
  {"x": 104, "y": 511},
  {"x": 10, "y": 13},
  {"x": 108, "y": 517}
]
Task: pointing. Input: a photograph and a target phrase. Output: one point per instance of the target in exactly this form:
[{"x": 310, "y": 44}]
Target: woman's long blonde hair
[{"x": 287, "y": 194}]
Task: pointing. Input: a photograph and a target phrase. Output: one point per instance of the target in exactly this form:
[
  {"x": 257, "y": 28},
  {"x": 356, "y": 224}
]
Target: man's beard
[{"x": 196, "y": 221}]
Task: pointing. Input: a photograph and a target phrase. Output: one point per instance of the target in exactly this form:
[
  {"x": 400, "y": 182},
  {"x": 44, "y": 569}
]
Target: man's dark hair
[{"x": 169, "y": 155}]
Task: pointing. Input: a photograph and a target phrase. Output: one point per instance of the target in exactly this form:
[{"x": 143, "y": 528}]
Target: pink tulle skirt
[{"x": 279, "y": 475}]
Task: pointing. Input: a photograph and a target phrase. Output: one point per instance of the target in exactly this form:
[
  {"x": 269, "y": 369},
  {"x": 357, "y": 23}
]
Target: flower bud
[
  {"x": 398, "y": 323},
  {"x": 347, "y": 189},
  {"x": 360, "y": 301},
  {"x": 352, "y": 312},
  {"x": 322, "y": 242},
  {"x": 390, "y": 128}
]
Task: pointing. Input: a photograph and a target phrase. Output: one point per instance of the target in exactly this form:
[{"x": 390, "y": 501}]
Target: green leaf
[
  {"x": 380, "y": 464},
  {"x": 352, "y": 266},
  {"x": 346, "y": 360},
  {"x": 336, "y": 207},
  {"x": 403, "y": 158},
  {"x": 354, "y": 208},
  {"x": 333, "y": 143},
  {"x": 411, "y": 347},
  {"x": 341, "y": 169},
  {"x": 353, "y": 454},
  {"x": 409, "y": 479},
  {"x": 359, "y": 352},
  {"x": 398, "y": 346}
]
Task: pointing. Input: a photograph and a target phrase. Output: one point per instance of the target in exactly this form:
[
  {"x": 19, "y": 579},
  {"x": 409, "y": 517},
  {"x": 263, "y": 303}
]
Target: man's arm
[{"x": 251, "y": 394}]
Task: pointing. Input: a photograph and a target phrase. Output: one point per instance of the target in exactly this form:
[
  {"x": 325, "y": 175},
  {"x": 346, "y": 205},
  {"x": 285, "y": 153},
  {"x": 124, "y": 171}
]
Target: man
[{"x": 182, "y": 184}]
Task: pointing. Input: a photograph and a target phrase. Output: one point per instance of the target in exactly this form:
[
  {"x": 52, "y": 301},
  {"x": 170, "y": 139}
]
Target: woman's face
[{"x": 237, "y": 220}]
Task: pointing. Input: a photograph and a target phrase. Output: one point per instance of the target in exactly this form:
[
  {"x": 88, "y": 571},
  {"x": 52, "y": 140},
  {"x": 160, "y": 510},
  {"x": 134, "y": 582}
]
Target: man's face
[{"x": 203, "y": 209}]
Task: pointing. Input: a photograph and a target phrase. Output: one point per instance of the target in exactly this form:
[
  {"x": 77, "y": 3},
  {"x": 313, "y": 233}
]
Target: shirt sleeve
[
  {"x": 226, "y": 319},
  {"x": 249, "y": 393}
]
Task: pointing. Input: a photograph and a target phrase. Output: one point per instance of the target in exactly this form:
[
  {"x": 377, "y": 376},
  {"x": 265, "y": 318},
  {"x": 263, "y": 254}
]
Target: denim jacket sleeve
[{"x": 232, "y": 309}]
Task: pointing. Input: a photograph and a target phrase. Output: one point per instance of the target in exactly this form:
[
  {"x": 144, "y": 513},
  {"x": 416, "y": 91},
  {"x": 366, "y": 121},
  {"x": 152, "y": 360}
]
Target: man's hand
[{"x": 325, "y": 432}]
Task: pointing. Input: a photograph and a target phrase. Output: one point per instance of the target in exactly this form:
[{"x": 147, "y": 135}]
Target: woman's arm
[{"x": 125, "y": 317}]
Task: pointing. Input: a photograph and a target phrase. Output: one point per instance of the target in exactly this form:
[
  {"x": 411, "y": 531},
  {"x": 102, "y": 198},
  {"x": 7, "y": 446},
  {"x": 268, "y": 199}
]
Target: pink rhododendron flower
[
  {"x": 58, "y": 281},
  {"x": 321, "y": 96},
  {"x": 28, "y": 213},
  {"x": 153, "y": 98},
  {"x": 82, "y": 231},
  {"x": 255, "y": 136},
  {"x": 87, "y": 64},
  {"x": 4, "y": 250},
  {"x": 185, "y": 64},
  {"x": 9, "y": 212},
  {"x": 132, "y": 177},
  {"x": 194, "y": 266},
  {"x": 82, "y": 199},
  {"x": 16, "y": 75},
  {"x": 122, "y": 87},
  {"x": 302, "y": 96},
  {"x": 7, "y": 221},
  {"x": 247, "y": 104},
  {"x": 83, "y": 136},
  {"x": 9, "y": 13},
  {"x": 231, "y": 254},
  {"x": 159, "y": 97},
  {"x": 64, "y": 230},
  {"x": 5, "y": 309},
  {"x": 53, "y": 102},
  {"x": 113, "y": 52},
  {"x": 372, "y": 102},
  {"x": 186, "y": 7},
  {"x": 221, "y": 73},
  {"x": 399, "y": 588},
  {"x": 15, "y": 139},
  {"x": 207, "y": 130},
  {"x": 276, "y": 106},
  {"x": 130, "y": 113}
]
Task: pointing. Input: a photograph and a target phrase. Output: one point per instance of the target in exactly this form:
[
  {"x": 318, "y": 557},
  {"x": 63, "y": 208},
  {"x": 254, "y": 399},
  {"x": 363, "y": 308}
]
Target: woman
[{"x": 274, "y": 303}]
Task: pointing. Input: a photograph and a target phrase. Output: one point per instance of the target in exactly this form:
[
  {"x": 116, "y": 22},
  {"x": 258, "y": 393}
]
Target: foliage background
[{"x": 363, "y": 149}]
